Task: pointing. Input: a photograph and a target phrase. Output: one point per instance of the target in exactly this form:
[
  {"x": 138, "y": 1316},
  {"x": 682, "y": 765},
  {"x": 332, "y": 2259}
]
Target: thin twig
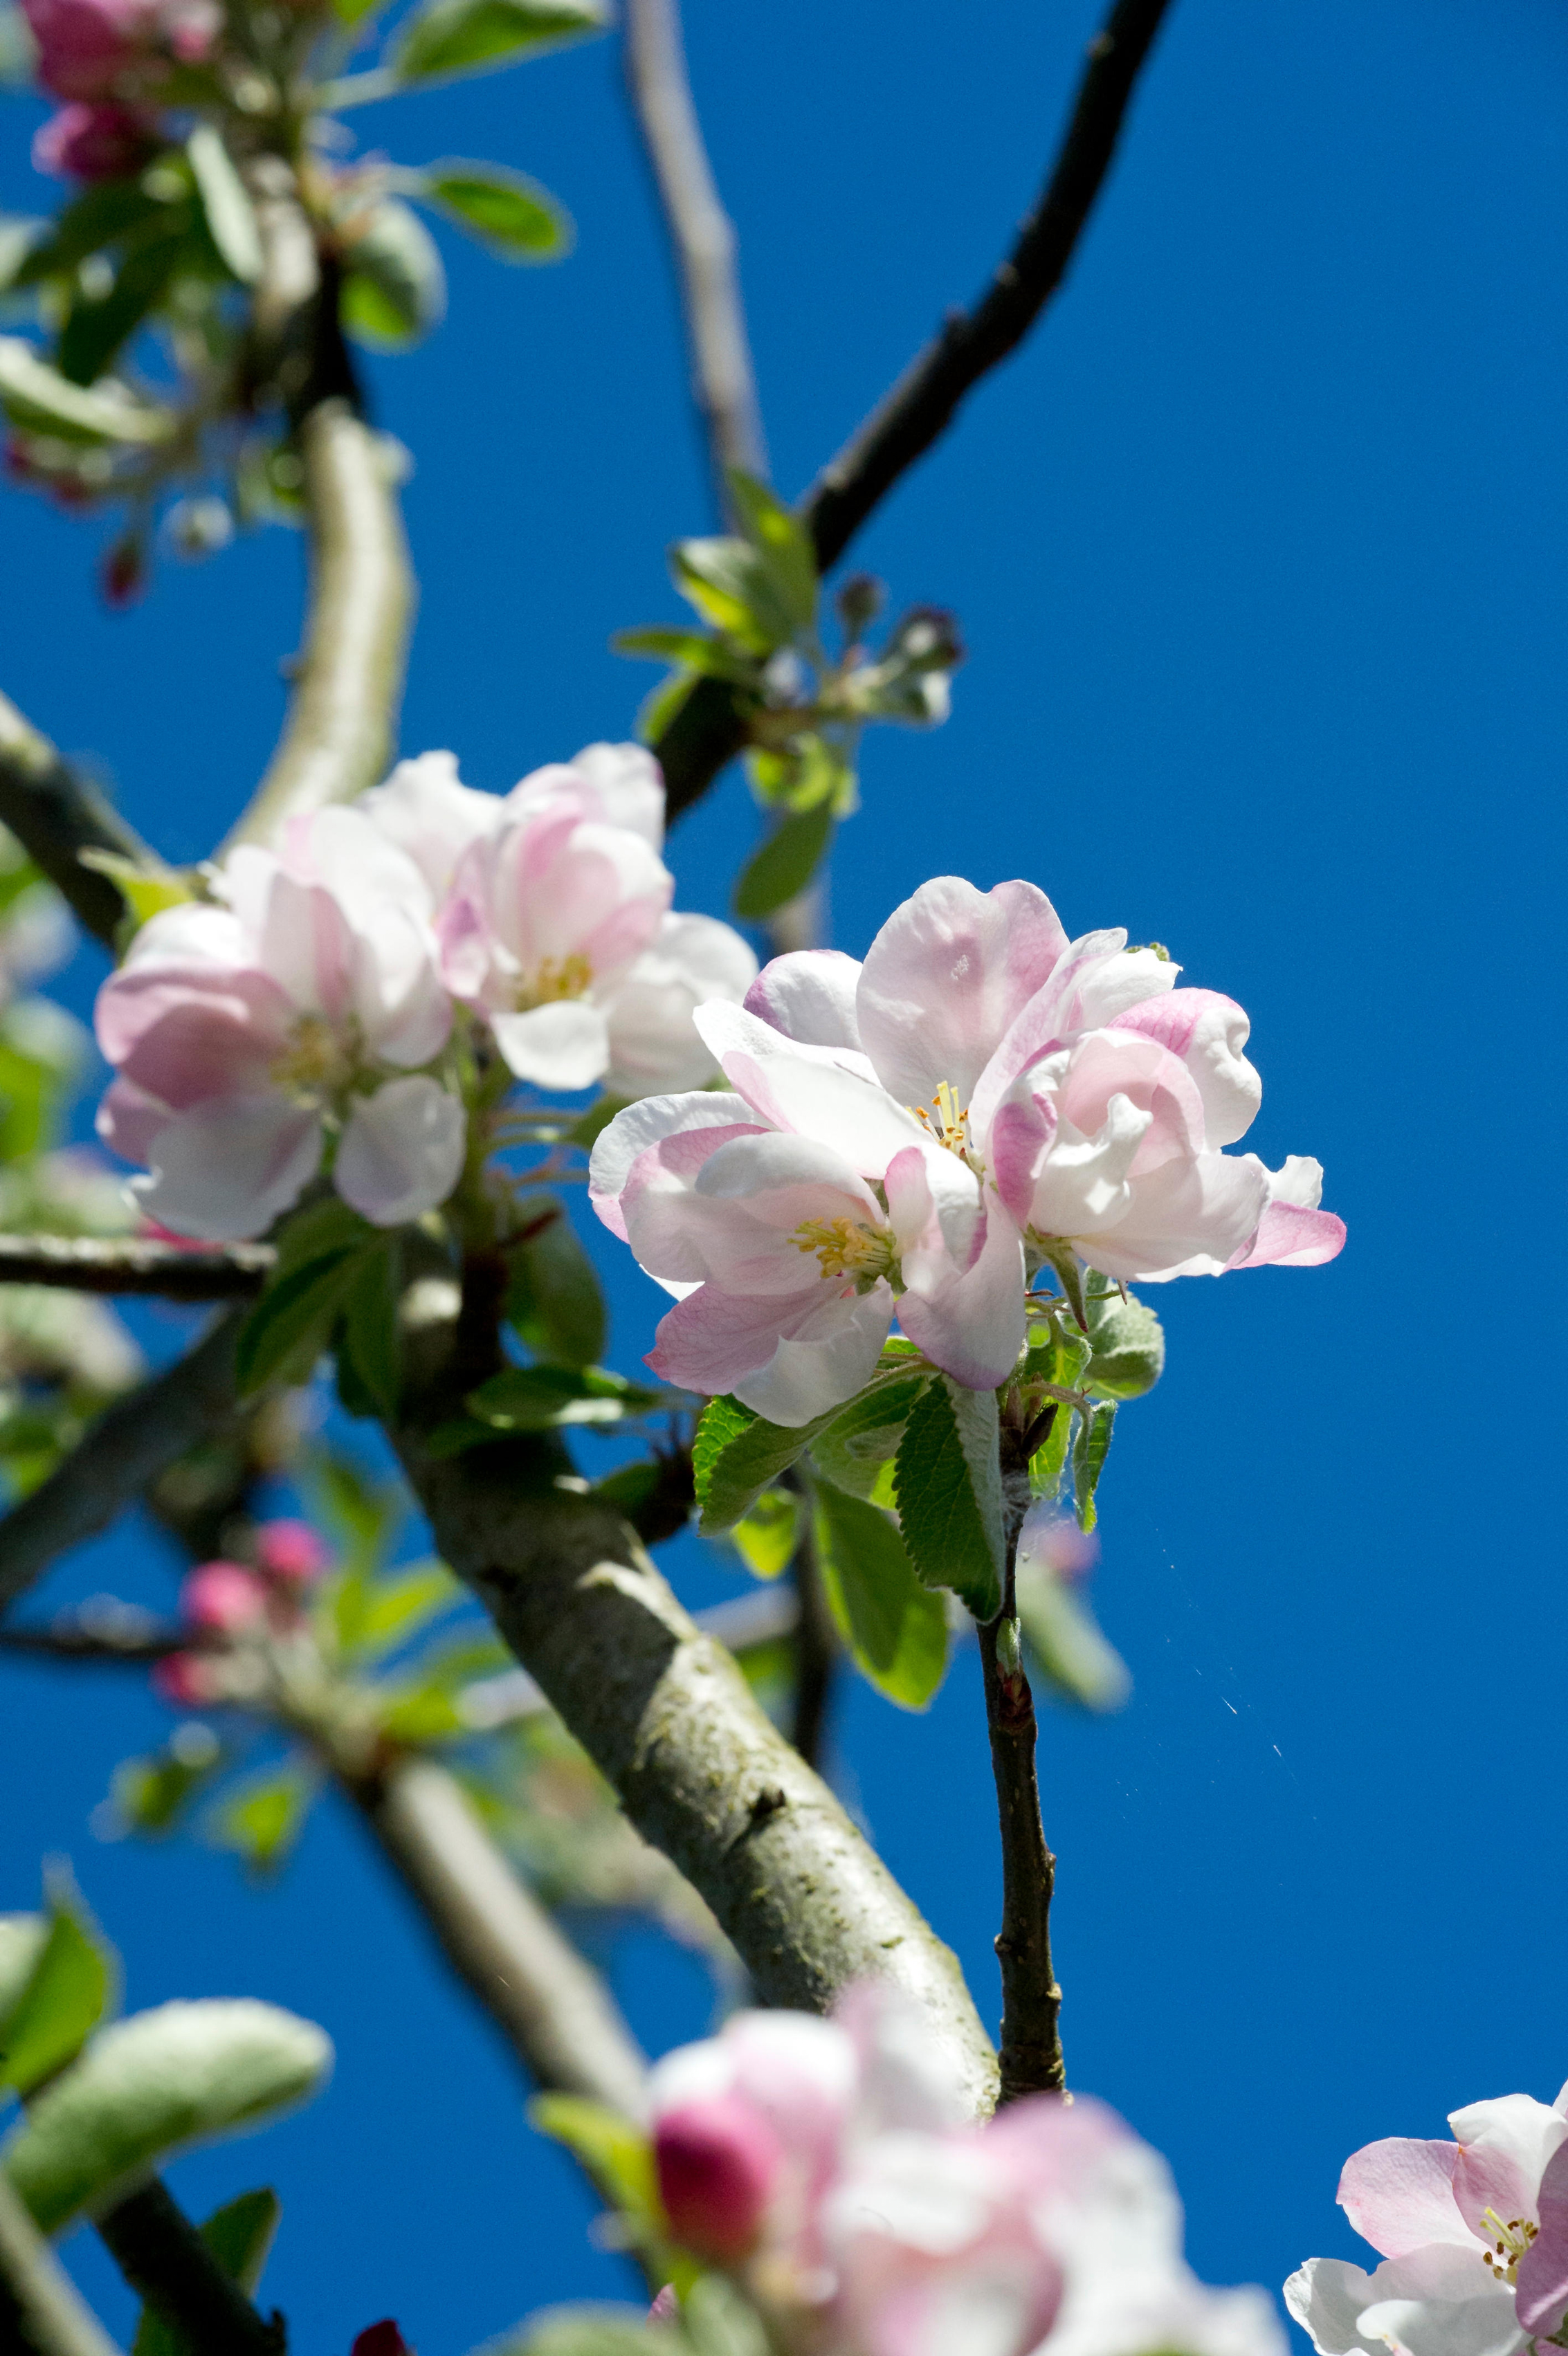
[
  {"x": 1031, "y": 2051},
  {"x": 41, "y": 2311},
  {"x": 129, "y": 1446},
  {"x": 551, "y": 2005},
  {"x": 816, "y": 1644},
  {"x": 701, "y": 236},
  {"x": 708, "y": 729},
  {"x": 135, "y": 1264},
  {"x": 167, "y": 2263},
  {"x": 55, "y": 815},
  {"x": 73, "y": 1643}
]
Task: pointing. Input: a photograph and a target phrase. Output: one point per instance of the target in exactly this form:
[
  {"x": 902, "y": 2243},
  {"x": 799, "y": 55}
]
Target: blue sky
[{"x": 1257, "y": 548}]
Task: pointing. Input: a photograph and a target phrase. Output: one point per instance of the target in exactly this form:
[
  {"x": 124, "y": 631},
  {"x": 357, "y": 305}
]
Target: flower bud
[
  {"x": 184, "y": 1680},
  {"x": 93, "y": 142},
  {"x": 123, "y": 576},
  {"x": 717, "y": 2162},
  {"x": 380, "y": 2340},
  {"x": 290, "y": 1551},
  {"x": 223, "y": 1598}
]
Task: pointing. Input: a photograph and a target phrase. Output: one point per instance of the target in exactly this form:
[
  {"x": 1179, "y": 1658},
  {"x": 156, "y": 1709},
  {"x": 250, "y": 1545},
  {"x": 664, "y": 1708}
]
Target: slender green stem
[{"x": 41, "y": 2311}]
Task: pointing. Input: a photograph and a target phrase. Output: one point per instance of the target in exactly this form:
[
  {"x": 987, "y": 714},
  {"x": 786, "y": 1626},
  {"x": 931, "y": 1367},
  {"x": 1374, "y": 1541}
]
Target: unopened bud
[
  {"x": 380, "y": 2340},
  {"x": 290, "y": 1551},
  {"x": 125, "y": 570},
  {"x": 859, "y": 603},
  {"x": 717, "y": 2162},
  {"x": 222, "y": 1599}
]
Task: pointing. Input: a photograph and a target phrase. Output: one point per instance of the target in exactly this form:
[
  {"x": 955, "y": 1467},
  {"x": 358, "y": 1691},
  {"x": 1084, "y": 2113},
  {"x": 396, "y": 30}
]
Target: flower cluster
[
  {"x": 107, "y": 59},
  {"x": 920, "y": 1134},
  {"x": 310, "y": 1008},
  {"x": 828, "y": 2166},
  {"x": 1473, "y": 2235},
  {"x": 227, "y": 1607}
]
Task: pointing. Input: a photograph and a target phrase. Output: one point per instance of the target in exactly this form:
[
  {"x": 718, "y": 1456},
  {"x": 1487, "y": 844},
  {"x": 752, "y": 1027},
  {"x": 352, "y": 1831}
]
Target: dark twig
[
  {"x": 816, "y": 1644},
  {"x": 56, "y": 814},
  {"x": 41, "y": 2311},
  {"x": 129, "y": 1446},
  {"x": 702, "y": 236},
  {"x": 135, "y": 1264},
  {"x": 708, "y": 730},
  {"x": 167, "y": 2263},
  {"x": 1031, "y": 2051},
  {"x": 73, "y": 1643}
]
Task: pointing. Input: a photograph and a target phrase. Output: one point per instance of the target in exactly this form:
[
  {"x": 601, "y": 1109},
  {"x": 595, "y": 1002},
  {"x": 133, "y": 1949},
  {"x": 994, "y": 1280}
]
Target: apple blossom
[
  {"x": 1472, "y": 2234},
  {"x": 88, "y": 47},
  {"x": 557, "y": 925},
  {"x": 831, "y": 2167},
  {"x": 94, "y": 142},
  {"x": 290, "y": 1012}
]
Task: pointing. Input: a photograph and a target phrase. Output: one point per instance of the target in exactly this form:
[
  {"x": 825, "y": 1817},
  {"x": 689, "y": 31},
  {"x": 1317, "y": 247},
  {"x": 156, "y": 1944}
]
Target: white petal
[
  {"x": 826, "y": 1363},
  {"x": 810, "y": 996},
  {"x": 654, "y": 1043},
  {"x": 810, "y": 1089},
  {"x": 564, "y": 1045},
  {"x": 225, "y": 1169},
  {"x": 426, "y": 810},
  {"x": 647, "y": 1123},
  {"x": 401, "y": 1150},
  {"x": 629, "y": 784},
  {"x": 1123, "y": 980}
]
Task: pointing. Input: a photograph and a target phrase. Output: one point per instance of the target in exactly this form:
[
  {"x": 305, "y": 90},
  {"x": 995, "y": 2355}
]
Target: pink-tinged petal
[
  {"x": 972, "y": 1325},
  {"x": 225, "y": 1169},
  {"x": 1292, "y": 1231},
  {"x": 463, "y": 944},
  {"x": 427, "y": 811},
  {"x": 222, "y": 1599},
  {"x": 629, "y": 786},
  {"x": 1186, "y": 1218},
  {"x": 790, "y": 1359},
  {"x": 1505, "y": 2146},
  {"x": 654, "y": 1043},
  {"x": 599, "y": 892},
  {"x": 565, "y": 1045},
  {"x": 1022, "y": 1133},
  {"x": 364, "y": 868},
  {"x": 809, "y": 1089},
  {"x": 1541, "y": 2280},
  {"x": 1107, "y": 1063},
  {"x": 402, "y": 1152},
  {"x": 129, "y": 1119},
  {"x": 649, "y": 1123},
  {"x": 945, "y": 978},
  {"x": 1207, "y": 1033},
  {"x": 1427, "y": 2309},
  {"x": 666, "y": 2307},
  {"x": 934, "y": 1206},
  {"x": 907, "y": 2078},
  {"x": 810, "y": 995},
  {"x": 717, "y": 2162},
  {"x": 1083, "y": 1188},
  {"x": 1399, "y": 2195},
  {"x": 732, "y": 1212},
  {"x": 1131, "y": 979},
  {"x": 1326, "y": 2298}
]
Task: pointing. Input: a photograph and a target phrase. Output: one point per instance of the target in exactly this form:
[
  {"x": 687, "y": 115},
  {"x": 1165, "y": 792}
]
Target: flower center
[
  {"x": 314, "y": 1062},
  {"x": 567, "y": 977},
  {"x": 847, "y": 1248},
  {"x": 1510, "y": 2243},
  {"x": 947, "y": 1121}
]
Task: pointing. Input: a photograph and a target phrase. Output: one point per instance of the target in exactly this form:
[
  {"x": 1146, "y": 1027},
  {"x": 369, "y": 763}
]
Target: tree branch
[
  {"x": 816, "y": 1640},
  {"x": 701, "y": 236},
  {"x": 167, "y": 2263},
  {"x": 707, "y": 732},
  {"x": 131, "y": 1443},
  {"x": 56, "y": 814},
  {"x": 41, "y": 2311},
  {"x": 135, "y": 1264},
  {"x": 667, "y": 1718},
  {"x": 548, "y": 2001}
]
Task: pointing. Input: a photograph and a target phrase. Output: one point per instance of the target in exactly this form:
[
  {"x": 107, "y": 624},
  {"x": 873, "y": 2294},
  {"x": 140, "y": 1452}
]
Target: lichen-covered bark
[{"x": 703, "y": 1775}]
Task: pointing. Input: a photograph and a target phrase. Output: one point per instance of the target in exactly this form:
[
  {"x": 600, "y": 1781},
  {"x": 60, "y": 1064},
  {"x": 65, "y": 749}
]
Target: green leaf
[
  {"x": 145, "y": 890},
  {"x": 785, "y": 865},
  {"x": 856, "y": 1446},
  {"x": 64, "y": 1998},
  {"x": 1065, "y": 1639},
  {"x": 231, "y": 223},
  {"x": 291, "y": 1324},
  {"x": 538, "y": 1398},
  {"x": 102, "y": 214},
  {"x": 512, "y": 217},
  {"x": 394, "y": 288},
  {"x": 364, "y": 1513},
  {"x": 732, "y": 1461},
  {"x": 152, "y": 1795},
  {"x": 1128, "y": 1346},
  {"x": 239, "y": 2236},
  {"x": 733, "y": 586},
  {"x": 22, "y": 1941},
  {"x": 152, "y": 2085},
  {"x": 40, "y": 400},
  {"x": 782, "y": 542},
  {"x": 321, "y": 1231},
  {"x": 555, "y": 1302},
  {"x": 765, "y": 1536},
  {"x": 98, "y": 326},
  {"x": 695, "y": 649},
  {"x": 369, "y": 1336},
  {"x": 719, "y": 2320},
  {"x": 262, "y": 1822},
  {"x": 896, "y": 1629},
  {"x": 616, "y": 2154},
  {"x": 387, "y": 1612},
  {"x": 1089, "y": 1450},
  {"x": 812, "y": 773},
  {"x": 949, "y": 1488},
  {"x": 459, "y": 36}
]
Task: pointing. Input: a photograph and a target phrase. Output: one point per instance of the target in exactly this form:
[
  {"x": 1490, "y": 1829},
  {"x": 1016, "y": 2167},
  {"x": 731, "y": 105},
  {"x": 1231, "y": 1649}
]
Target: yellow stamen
[
  {"x": 951, "y": 1125},
  {"x": 1510, "y": 2243},
  {"x": 314, "y": 1062},
  {"x": 567, "y": 977},
  {"x": 846, "y": 1247}
]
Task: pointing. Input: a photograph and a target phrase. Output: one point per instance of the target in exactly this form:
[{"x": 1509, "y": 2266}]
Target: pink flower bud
[
  {"x": 666, "y": 2307},
  {"x": 223, "y": 1598},
  {"x": 184, "y": 1680},
  {"x": 123, "y": 573},
  {"x": 93, "y": 142},
  {"x": 290, "y": 1551},
  {"x": 717, "y": 2162},
  {"x": 380, "y": 2340}
]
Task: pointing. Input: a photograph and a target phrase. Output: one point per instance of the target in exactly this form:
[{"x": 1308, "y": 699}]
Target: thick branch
[
  {"x": 1031, "y": 2054},
  {"x": 707, "y": 732},
  {"x": 549, "y": 2002},
  {"x": 666, "y": 1716},
  {"x": 56, "y": 814},
  {"x": 167, "y": 2263},
  {"x": 41, "y": 2311},
  {"x": 349, "y": 682},
  {"x": 701, "y": 236},
  {"x": 135, "y": 1264},
  {"x": 129, "y": 1446}
]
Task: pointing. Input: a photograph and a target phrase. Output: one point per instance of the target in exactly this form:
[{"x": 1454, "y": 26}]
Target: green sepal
[{"x": 1089, "y": 1450}]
